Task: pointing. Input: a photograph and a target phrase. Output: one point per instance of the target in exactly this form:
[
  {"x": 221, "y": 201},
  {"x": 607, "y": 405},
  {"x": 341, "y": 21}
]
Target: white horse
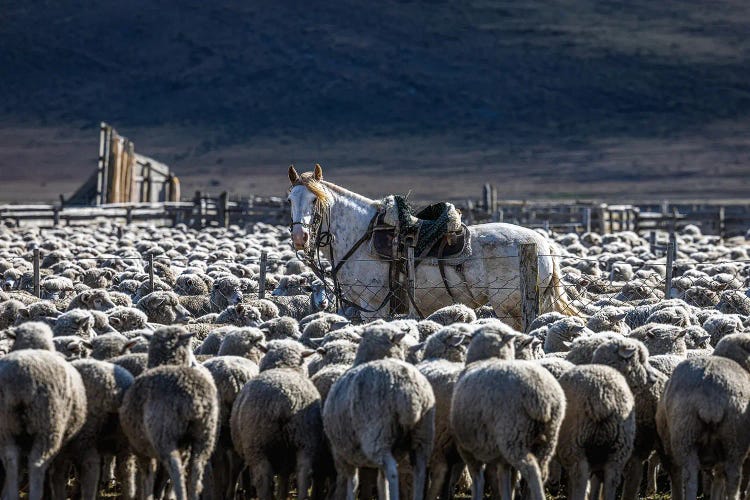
[{"x": 489, "y": 267}]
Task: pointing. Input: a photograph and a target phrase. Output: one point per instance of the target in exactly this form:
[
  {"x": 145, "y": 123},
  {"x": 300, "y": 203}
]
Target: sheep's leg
[
  {"x": 653, "y": 471},
  {"x": 11, "y": 456},
  {"x": 438, "y": 477},
  {"x": 147, "y": 478},
  {"x": 503, "y": 478},
  {"x": 90, "y": 469},
  {"x": 382, "y": 486},
  {"x": 595, "y": 487},
  {"x": 262, "y": 475},
  {"x": 39, "y": 460},
  {"x": 196, "y": 468},
  {"x": 677, "y": 485},
  {"x": 717, "y": 487},
  {"x": 173, "y": 463},
  {"x": 578, "y": 480},
  {"x": 690, "y": 471},
  {"x": 304, "y": 475},
  {"x": 57, "y": 477},
  {"x": 419, "y": 474},
  {"x": 531, "y": 473},
  {"x": 732, "y": 478},
  {"x": 389, "y": 467},
  {"x": 449, "y": 487},
  {"x": 476, "y": 471},
  {"x": 632, "y": 479}
]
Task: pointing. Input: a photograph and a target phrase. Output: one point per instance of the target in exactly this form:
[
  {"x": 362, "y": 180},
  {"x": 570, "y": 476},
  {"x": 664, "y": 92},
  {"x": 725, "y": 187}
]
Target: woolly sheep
[
  {"x": 197, "y": 305},
  {"x": 492, "y": 341},
  {"x": 339, "y": 352},
  {"x": 661, "y": 339},
  {"x": 96, "y": 299},
  {"x": 226, "y": 291},
  {"x": 110, "y": 345},
  {"x": 268, "y": 309},
  {"x": 43, "y": 310},
  {"x": 600, "y": 415},
  {"x": 582, "y": 350},
  {"x": 72, "y": 347},
  {"x": 31, "y": 335},
  {"x": 563, "y": 332},
  {"x": 523, "y": 436},
  {"x": 9, "y": 312},
  {"x": 171, "y": 409},
  {"x": 244, "y": 342},
  {"x": 101, "y": 436},
  {"x": 135, "y": 363},
  {"x": 76, "y": 322},
  {"x": 703, "y": 412},
  {"x": 276, "y": 422},
  {"x": 610, "y": 319},
  {"x": 448, "y": 343},
  {"x": 321, "y": 326},
  {"x": 631, "y": 358},
  {"x": 279, "y": 328},
  {"x": 230, "y": 374},
  {"x": 125, "y": 319},
  {"x": 163, "y": 308},
  {"x": 456, "y": 313},
  {"x": 722, "y": 325},
  {"x": 240, "y": 315},
  {"x": 43, "y": 403},
  {"x": 365, "y": 435}
]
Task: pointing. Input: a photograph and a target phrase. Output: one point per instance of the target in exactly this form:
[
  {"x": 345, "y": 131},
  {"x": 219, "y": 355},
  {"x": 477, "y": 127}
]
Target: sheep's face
[
  {"x": 190, "y": 284},
  {"x": 97, "y": 300},
  {"x": 321, "y": 299},
  {"x": 229, "y": 289},
  {"x": 247, "y": 315},
  {"x": 280, "y": 328},
  {"x": 164, "y": 308},
  {"x": 528, "y": 347},
  {"x": 72, "y": 347},
  {"x": 448, "y": 343},
  {"x": 124, "y": 319},
  {"x": 292, "y": 285}
]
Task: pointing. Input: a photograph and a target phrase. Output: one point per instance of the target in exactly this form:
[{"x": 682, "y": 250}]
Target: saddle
[{"x": 389, "y": 242}]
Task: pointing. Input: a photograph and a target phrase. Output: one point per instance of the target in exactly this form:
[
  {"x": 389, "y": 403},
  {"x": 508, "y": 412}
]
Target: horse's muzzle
[{"x": 300, "y": 238}]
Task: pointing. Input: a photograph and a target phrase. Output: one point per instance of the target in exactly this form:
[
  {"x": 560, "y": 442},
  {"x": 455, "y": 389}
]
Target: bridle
[{"x": 320, "y": 239}]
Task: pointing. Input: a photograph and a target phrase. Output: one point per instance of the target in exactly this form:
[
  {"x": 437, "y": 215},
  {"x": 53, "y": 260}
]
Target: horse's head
[{"x": 308, "y": 197}]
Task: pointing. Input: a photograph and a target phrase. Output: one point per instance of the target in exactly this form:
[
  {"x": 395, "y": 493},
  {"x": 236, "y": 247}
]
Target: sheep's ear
[
  {"x": 262, "y": 347},
  {"x": 398, "y": 337},
  {"x": 184, "y": 338},
  {"x": 86, "y": 344},
  {"x": 626, "y": 352},
  {"x": 651, "y": 333},
  {"x": 315, "y": 340},
  {"x": 83, "y": 321},
  {"x": 509, "y": 337},
  {"x": 321, "y": 351},
  {"x": 11, "y": 334},
  {"x": 129, "y": 345},
  {"x": 704, "y": 338},
  {"x": 318, "y": 173},
  {"x": 157, "y": 302},
  {"x": 584, "y": 282},
  {"x": 525, "y": 341},
  {"x": 24, "y": 312},
  {"x": 455, "y": 340},
  {"x": 565, "y": 343},
  {"x": 115, "y": 322},
  {"x": 681, "y": 334},
  {"x": 308, "y": 352},
  {"x": 240, "y": 308},
  {"x": 74, "y": 346},
  {"x": 293, "y": 175},
  {"x": 86, "y": 296},
  {"x": 146, "y": 335}
]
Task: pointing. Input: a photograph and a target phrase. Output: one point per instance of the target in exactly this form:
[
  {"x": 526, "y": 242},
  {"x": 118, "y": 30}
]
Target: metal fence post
[
  {"x": 529, "y": 277},
  {"x": 262, "y": 277},
  {"x": 37, "y": 287},
  {"x": 411, "y": 281},
  {"x": 151, "y": 273},
  {"x": 669, "y": 270}
]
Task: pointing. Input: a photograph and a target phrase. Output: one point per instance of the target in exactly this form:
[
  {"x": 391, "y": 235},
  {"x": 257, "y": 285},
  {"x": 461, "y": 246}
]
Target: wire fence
[{"x": 514, "y": 288}]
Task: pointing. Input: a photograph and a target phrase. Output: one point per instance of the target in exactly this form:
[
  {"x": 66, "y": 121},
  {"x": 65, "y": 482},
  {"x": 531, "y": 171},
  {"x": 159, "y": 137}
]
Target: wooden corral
[{"x": 124, "y": 176}]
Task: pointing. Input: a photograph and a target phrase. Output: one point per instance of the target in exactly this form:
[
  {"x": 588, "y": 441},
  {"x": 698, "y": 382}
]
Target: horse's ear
[
  {"x": 293, "y": 175},
  {"x": 318, "y": 174}
]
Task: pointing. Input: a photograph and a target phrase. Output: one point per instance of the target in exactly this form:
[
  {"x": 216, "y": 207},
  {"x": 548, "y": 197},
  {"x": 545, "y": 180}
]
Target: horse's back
[{"x": 500, "y": 235}]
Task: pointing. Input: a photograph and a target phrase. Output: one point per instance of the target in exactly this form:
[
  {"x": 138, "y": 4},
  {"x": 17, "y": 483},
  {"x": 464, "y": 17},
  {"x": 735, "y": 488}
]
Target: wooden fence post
[
  {"x": 601, "y": 210},
  {"x": 56, "y": 216},
  {"x": 223, "y": 210},
  {"x": 262, "y": 277},
  {"x": 37, "y": 287},
  {"x": 150, "y": 273},
  {"x": 198, "y": 210},
  {"x": 129, "y": 216},
  {"x": 669, "y": 270},
  {"x": 722, "y": 223},
  {"x": 652, "y": 241},
  {"x": 529, "y": 277},
  {"x": 487, "y": 195},
  {"x": 587, "y": 219}
]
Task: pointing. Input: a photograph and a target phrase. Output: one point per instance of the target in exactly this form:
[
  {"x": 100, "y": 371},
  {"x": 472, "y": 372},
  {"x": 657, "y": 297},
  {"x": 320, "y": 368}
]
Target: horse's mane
[{"x": 323, "y": 189}]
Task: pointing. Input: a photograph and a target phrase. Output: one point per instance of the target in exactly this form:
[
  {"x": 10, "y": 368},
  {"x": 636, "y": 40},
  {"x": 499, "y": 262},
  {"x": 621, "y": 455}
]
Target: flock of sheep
[{"x": 197, "y": 388}]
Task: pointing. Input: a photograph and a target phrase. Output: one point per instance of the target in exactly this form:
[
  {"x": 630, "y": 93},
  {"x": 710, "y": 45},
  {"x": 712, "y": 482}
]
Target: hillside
[{"x": 581, "y": 97}]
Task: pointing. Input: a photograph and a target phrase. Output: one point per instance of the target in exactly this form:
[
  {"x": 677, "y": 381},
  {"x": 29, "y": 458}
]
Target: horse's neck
[{"x": 350, "y": 216}]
